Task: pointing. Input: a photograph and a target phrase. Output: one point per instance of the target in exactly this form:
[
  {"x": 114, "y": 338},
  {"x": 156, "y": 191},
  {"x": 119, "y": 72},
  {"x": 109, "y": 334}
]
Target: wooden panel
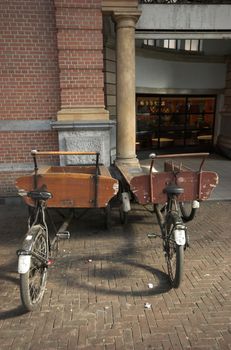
[
  {"x": 104, "y": 171},
  {"x": 44, "y": 169},
  {"x": 196, "y": 187},
  {"x": 169, "y": 166},
  {"x": 71, "y": 190},
  {"x": 70, "y": 169}
]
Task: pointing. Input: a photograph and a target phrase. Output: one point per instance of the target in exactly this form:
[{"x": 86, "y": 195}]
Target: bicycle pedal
[
  {"x": 64, "y": 235},
  {"x": 152, "y": 235}
]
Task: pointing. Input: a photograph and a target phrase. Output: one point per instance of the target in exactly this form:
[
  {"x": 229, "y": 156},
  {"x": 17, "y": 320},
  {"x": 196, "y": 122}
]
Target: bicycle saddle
[
  {"x": 39, "y": 195},
  {"x": 172, "y": 189}
]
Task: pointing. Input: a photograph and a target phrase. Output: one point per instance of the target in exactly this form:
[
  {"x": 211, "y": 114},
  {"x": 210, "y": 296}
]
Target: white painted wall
[
  {"x": 155, "y": 73},
  {"x": 185, "y": 17}
]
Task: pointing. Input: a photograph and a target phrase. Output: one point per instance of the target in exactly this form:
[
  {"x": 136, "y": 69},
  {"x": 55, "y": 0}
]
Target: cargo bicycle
[
  {"x": 175, "y": 195},
  {"x": 56, "y": 187}
]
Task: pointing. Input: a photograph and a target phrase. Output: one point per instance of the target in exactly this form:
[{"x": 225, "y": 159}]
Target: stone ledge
[
  {"x": 83, "y": 124},
  {"x": 83, "y": 113},
  {"x": 109, "y": 6}
]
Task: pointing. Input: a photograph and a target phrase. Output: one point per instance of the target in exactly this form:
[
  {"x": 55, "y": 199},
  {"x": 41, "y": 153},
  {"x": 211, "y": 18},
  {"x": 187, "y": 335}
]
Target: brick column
[
  {"x": 126, "y": 116},
  {"x": 80, "y": 46}
]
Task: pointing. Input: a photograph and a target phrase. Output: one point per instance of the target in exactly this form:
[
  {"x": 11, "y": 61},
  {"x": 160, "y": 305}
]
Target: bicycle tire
[
  {"x": 187, "y": 211},
  {"x": 175, "y": 268},
  {"x": 33, "y": 282},
  {"x": 174, "y": 252},
  {"x": 123, "y": 216},
  {"x": 107, "y": 219}
]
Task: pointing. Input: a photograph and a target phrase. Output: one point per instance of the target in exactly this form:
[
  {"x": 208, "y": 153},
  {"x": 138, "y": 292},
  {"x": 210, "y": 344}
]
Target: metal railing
[{"x": 192, "y": 2}]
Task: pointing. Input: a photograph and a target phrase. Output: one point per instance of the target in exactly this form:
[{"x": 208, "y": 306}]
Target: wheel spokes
[{"x": 38, "y": 268}]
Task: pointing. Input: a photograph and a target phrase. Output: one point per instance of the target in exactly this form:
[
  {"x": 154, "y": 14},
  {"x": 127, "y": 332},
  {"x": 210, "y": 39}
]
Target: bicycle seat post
[
  {"x": 152, "y": 156},
  {"x": 33, "y": 153}
]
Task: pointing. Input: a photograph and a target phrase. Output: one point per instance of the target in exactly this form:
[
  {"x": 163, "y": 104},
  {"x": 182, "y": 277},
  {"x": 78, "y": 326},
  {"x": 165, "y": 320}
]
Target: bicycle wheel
[
  {"x": 123, "y": 215},
  {"x": 107, "y": 220},
  {"x": 175, "y": 263},
  {"x": 174, "y": 251},
  {"x": 33, "y": 282},
  {"x": 187, "y": 211}
]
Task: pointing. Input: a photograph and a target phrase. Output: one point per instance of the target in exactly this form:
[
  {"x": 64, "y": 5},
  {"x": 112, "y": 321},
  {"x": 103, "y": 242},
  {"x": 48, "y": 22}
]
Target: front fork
[
  {"x": 178, "y": 232},
  {"x": 25, "y": 254}
]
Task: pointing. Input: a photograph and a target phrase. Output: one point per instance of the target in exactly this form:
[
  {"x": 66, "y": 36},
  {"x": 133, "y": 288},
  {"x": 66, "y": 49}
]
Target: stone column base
[{"x": 133, "y": 162}]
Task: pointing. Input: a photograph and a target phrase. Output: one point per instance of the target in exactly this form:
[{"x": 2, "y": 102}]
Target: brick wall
[
  {"x": 51, "y": 58},
  {"x": 17, "y": 145},
  {"x": 29, "y": 71},
  {"x": 29, "y": 84},
  {"x": 80, "y": 44}
]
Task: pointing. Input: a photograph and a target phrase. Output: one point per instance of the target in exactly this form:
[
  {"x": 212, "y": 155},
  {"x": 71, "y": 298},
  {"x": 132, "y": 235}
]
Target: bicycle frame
[{"x": 25, "y": 253}]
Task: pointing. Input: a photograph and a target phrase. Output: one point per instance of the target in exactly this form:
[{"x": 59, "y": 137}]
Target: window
[
  {"x": 192, "y": 45},
  {"x": 170, "y": 44},
  {"x": 175, "y": 121}
]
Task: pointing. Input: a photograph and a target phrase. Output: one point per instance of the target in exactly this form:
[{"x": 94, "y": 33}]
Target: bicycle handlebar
[
  {"x": 154, "y": 156},
  {"x": 55, "y": 153}
]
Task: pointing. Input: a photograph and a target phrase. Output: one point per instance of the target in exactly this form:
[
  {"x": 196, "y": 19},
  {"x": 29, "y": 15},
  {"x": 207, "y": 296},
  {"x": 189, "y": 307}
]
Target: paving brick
[{"x": 100, "y": 304}]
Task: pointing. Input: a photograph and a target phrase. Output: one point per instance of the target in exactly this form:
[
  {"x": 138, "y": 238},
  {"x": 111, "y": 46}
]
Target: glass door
[
  {"x": 200, "y": 121},
  {"x": 172, "y": 121},
  {"x": 175, "y": 121},
  {"x": 147, "y": 121}
]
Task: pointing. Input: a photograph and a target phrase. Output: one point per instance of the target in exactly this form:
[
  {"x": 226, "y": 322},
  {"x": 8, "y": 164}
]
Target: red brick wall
[
  {"x": 29, "y": 81},
  {"x": 7, "y": 180},
  {"x": 16, "y": 146},
  {"x": 51, "y": 57},
  {"x": 80, "y": 44}
]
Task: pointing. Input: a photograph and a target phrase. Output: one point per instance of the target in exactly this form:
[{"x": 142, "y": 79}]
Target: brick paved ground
[{"x": 99, "y": 283}]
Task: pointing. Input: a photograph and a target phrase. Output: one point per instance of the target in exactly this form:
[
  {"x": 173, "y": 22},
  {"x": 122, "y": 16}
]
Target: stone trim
[
  {"x": 83, "y": 113},
  {"x": 126, "y": 19},
  {"x": 110, "y": 6},
  {"x": 25, "y": 125},
  {"x": 67, "y": 125},
  {"x": 16, "y": 167}
]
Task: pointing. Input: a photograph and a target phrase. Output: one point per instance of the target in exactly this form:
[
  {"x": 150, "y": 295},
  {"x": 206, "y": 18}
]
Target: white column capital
[{"x": 126, "y": 19}]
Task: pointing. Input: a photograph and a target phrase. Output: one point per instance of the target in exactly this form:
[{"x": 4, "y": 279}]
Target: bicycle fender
[
  {"x": 179, "y": 229},
  {"x": 24, "y": 263},
  {"x": 126, "y": 202},
  {"x": 179, "y": 236},
  {"x": 24, "y": 255}
]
